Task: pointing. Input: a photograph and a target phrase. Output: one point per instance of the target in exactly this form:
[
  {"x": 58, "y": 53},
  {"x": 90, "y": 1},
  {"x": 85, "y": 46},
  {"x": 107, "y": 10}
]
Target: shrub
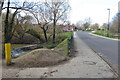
[
  {"x": 27, "y": 39},
  {"x": 35, "y": 34}
]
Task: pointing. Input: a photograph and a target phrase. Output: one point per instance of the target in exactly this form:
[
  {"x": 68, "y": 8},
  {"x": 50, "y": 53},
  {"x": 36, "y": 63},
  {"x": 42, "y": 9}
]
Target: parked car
[
  {"x": 88, "y": 30},
  {"x": 93, "y": 31},
  {"x": 83, "y": 30}
]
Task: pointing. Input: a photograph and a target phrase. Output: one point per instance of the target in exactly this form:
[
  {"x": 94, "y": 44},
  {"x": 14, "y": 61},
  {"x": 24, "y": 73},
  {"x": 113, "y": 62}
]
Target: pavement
[
  {"x": 85, "y": 64},
  {"x": 104, "y": 47}
]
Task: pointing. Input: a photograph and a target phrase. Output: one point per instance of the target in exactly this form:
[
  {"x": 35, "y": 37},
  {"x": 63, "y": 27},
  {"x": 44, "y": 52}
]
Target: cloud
[{"x": 97, "y": 10}]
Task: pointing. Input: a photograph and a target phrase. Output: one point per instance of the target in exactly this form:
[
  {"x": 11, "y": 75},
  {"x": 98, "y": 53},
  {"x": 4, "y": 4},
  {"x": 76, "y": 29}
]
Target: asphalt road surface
[{"x": 107, "y": 49}]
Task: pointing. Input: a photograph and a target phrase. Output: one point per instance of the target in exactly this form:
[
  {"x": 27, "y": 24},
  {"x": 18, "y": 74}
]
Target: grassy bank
[
  {"x": 18, "y": 45},
  {"x": 62, "y": 48},
  {"x": 59, "y": 38}
]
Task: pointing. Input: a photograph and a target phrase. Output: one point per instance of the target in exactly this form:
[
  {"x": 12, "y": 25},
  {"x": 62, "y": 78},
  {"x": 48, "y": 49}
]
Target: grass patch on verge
[
  {"x": 88, "y": 31},
  {"x": 105, "y": 34},
  {"x": 18, "y": 45},
  {"x": 48, "y": 34},
  {"x": 62, "y": 48},
  {"x": 59, "y": 38}
]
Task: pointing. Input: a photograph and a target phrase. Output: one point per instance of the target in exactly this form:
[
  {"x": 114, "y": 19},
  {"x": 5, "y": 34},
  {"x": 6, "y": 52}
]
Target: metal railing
[{"x": 70, "y": 44}]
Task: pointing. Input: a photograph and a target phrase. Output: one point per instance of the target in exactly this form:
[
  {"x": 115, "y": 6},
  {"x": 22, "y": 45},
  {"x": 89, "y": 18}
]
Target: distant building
[{"x": 66, "y": 28}]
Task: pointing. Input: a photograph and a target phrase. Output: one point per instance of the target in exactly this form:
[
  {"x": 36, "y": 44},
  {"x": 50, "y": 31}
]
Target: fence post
[{"x": 70, "y": 44}]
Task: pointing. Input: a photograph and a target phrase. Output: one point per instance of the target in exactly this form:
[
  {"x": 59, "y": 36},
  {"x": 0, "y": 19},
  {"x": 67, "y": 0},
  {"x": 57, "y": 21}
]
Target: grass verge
[
  {"x": 62, "y": 48},
  {"x": 105, "y": 35},
  {"x": 18, "y": 45},
  {"x": 59, "y": 38}
]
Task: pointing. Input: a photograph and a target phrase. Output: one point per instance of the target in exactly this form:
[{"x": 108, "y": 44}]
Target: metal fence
[{"x": 70, "y": 44}]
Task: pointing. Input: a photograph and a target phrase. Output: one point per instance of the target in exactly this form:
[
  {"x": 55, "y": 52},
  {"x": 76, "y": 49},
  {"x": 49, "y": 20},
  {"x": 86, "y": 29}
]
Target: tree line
[{"x": 114, "y": 24}]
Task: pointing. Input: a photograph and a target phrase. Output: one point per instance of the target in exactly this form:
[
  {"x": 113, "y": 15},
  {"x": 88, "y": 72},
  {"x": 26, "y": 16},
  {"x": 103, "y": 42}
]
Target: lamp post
[{"x": 108, "y": 22}]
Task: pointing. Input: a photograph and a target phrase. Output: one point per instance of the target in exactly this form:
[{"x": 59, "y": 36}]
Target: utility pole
[{"x": 108, "y": 22}]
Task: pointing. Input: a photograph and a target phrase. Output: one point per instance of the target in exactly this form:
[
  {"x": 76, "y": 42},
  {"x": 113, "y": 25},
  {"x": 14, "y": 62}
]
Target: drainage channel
[{"x": 22, "y": 50}]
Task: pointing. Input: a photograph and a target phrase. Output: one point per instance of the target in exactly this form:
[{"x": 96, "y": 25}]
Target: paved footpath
[{"x": 86, "y": 64}]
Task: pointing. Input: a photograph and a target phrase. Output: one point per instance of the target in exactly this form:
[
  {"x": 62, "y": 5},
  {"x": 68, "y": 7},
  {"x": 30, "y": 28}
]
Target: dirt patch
[{"x": 38, "y": 58}]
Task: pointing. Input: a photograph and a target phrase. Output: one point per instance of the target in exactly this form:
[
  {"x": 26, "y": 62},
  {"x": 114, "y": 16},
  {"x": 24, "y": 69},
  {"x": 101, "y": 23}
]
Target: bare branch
[{"x": 1, "y": 3}]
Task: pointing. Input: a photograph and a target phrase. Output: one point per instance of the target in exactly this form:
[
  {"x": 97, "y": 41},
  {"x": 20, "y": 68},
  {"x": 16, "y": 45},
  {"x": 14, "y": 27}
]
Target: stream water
[{"x": 17, "y": 52}]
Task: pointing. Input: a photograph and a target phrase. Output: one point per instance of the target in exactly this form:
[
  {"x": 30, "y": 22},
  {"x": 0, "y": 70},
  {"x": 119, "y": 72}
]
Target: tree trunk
[
  {"x": 45, "y": 35},
  {"x": 1, "y": 45},
  {"x": 54, "y": 26},
  {"x": 2, "y": 3},
  {"x": 6, "y": 30},
  {"x": 54, "y": 32},
  {"x": 11, "y": 25}
]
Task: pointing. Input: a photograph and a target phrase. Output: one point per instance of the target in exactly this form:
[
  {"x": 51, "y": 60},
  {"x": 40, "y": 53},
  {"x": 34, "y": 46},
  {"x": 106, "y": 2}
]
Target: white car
[{"x": 93, "y": 31}]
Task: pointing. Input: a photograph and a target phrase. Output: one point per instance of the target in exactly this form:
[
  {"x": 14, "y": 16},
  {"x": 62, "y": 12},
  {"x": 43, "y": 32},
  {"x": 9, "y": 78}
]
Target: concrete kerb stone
[{"x": 104, "y": 37}]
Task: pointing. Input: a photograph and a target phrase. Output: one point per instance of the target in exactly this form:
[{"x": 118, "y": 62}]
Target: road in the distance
[{"x": 107, "y": 48}]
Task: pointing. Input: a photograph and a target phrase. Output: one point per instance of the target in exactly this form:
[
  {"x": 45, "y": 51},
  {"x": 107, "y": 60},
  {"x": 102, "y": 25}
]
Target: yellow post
[{"x": 8, "y": 53}]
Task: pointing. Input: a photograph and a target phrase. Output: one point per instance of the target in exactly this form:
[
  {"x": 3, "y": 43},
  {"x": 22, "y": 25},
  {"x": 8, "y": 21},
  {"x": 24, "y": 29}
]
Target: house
[{"x": 66, "y": 28}]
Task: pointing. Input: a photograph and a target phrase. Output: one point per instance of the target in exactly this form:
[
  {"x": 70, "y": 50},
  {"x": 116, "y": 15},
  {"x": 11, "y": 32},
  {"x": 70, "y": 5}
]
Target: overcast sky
[{"x": 95, "y": 9}]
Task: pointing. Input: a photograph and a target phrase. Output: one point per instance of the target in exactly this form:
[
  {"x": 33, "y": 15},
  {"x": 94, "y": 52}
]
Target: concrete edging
[{"x": 104, "y": 37}]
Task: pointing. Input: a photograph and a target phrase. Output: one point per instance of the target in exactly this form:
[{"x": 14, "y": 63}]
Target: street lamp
[{"x": 108, "y": 22}]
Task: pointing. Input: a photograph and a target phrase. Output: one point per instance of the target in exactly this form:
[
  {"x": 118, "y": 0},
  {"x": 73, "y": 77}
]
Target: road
[{"x": 107, "y": 49}]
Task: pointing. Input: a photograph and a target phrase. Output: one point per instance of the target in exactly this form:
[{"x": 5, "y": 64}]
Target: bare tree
[
  {"x": 104, "y": 26},
  {"x": 59, "y": 12},
  {"x": 43, "y": 17},
  {"x": 94, "y": 26},
  {"x": 21, "y": 26},
  {"x": 87, "y": 23},
  {"x": 68, "y": 23},
  {"x": 8, "y": 29},
  {"x": 119, "y": 22},
  {"x": 1, "y": 6},
  {"x": 79, "y": 24},
  {"x": 114, "y": 25}
]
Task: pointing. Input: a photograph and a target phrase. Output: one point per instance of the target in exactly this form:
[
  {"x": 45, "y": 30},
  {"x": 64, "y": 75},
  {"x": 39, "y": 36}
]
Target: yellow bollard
[{"x": 8, "y": 53}]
